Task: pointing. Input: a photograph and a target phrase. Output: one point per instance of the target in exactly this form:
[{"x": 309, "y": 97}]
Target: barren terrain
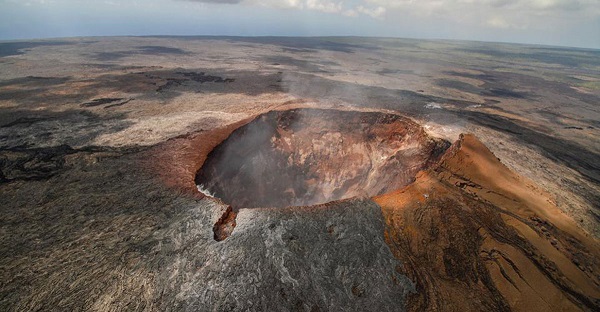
[{"x": 358, "y": 200}]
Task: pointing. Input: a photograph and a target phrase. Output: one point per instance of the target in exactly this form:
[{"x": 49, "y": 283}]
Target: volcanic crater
[{"x": 306, "y": 156}]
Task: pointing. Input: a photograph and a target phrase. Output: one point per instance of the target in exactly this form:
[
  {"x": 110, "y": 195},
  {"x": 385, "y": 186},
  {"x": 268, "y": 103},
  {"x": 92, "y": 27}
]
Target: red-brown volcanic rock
[
  {"x": 308, "y": 156},
  {"x": 475, "y": 236}
]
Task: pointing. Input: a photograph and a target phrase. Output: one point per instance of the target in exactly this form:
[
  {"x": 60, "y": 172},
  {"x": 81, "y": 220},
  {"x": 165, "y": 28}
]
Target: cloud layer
[
  {"x": 495, "y": 15},
  {"x": 377, "y": 8},
  {"x": 561, "y": 22}
]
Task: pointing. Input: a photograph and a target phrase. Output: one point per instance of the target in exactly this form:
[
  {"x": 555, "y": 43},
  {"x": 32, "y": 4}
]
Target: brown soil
[{"x": 474, "y": 236}]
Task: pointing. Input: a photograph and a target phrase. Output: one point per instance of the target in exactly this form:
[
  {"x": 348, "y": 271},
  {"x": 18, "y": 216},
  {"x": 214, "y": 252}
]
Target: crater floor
[{"x": 303, "y": 157}]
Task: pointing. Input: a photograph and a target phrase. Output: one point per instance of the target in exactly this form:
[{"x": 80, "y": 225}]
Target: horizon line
[{"x": 24, "y": 39}]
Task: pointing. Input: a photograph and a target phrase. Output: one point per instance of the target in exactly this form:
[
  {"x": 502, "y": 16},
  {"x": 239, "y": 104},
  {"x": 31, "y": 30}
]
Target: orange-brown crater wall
[{"x": 304, "y": 157}]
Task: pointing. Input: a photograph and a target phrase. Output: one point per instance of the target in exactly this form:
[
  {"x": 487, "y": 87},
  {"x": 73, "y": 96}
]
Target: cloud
[
  {"x": 495, "y": 15},
  {"x": 343, "y": 7},
  {"x": 566, "y": 5},
  {"x": 372, "y": 12},
  {"x": 502, "y": 3},
  {"x": 218, "y": 1},
  {"x": 498, "y": 22},
  {"x": 324, "y": 6},
  {"x": 350, "y": 13},
  {"x": 563, "y": 22},
  {"x": 316, "y": 5},
  {"x": 557, "y": 5}
]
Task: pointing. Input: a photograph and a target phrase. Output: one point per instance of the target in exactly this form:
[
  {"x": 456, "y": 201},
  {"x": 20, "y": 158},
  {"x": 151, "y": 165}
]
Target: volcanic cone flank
[{"x": 475, "y": 236}]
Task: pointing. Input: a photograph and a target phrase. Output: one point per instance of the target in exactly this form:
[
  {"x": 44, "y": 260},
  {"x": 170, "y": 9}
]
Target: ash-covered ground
[{"x": 101, "y": 139}]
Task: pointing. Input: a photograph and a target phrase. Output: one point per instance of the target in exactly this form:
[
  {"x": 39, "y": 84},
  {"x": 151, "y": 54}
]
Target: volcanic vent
[{"x": 307, "y": 156}]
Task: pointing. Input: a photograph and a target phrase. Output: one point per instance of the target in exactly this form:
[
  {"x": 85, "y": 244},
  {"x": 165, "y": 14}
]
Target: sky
[{"x": 573, "y": 23}]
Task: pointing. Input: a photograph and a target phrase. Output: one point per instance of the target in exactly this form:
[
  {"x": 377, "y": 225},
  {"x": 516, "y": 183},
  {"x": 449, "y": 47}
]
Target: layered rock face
[{"x": 306, "y": 156}]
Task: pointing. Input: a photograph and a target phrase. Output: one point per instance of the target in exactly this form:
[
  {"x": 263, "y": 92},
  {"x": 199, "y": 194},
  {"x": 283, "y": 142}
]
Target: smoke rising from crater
[{"x": 310, "y": 156}]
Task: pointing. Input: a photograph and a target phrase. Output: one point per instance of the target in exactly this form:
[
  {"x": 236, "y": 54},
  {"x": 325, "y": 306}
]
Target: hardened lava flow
[
  {"x": 304, "y": 157},
  {"x": 459, "y": 220}
]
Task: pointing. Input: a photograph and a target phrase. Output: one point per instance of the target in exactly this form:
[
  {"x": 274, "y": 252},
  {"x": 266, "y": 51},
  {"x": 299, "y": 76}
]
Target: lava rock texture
[
  {"x": 308, "y": 156},
  {"x": 101, "y": 141}
]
